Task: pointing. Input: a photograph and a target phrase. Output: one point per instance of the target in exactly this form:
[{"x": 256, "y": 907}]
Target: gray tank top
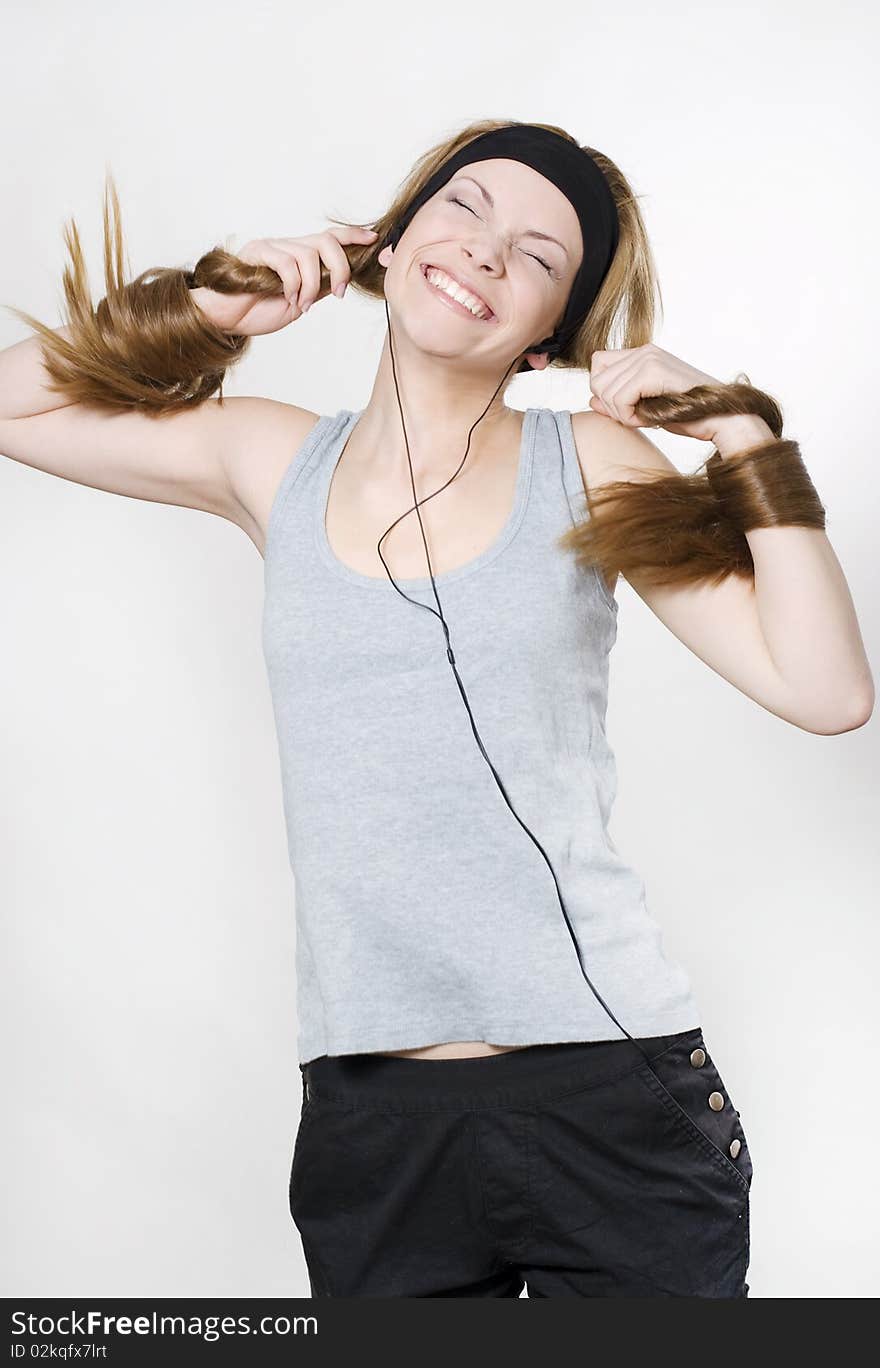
[{"x": 424, "y": 912}]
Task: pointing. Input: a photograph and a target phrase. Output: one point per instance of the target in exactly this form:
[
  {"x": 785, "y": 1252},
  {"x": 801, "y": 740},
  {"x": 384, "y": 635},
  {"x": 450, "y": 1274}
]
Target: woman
[{"x": 471, "y": 946}]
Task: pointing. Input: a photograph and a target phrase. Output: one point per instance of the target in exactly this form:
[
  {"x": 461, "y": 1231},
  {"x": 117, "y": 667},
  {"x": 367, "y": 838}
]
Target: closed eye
[{"x": 547, "y": 268}]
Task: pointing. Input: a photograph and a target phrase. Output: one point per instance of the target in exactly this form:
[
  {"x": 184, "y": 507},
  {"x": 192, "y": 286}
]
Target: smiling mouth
[{"x": 453, "y": 303}]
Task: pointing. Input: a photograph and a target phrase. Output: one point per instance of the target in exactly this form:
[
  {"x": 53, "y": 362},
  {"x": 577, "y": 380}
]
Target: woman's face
[{"x": 517, "y": 247}]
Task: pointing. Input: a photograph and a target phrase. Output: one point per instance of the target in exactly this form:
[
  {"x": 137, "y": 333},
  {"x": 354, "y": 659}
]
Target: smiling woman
[
  {"x": 148, "y": 345},
  {"x": 504, "y": 1074}
]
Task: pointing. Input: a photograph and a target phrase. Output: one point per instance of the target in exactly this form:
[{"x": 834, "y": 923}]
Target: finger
[
  {"x": 309, "y": 263},
  {"x": 347, "y": 233},
  {"x": 285, "y": 266},
  {"x": 352, "y": 232},
  {"x": 334, "y": 257},
  {"x": 601, "y": 361},
  {"x": 621, "y": 390}
]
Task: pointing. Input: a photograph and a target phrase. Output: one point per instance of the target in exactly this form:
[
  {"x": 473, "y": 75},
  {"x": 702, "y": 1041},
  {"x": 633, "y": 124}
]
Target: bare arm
[
  {"x": 23, "y": 378},
  {"x": 790, "y": 639},
  {"x": 95, "y": 421},
  {"x": 195, "y": 458}
]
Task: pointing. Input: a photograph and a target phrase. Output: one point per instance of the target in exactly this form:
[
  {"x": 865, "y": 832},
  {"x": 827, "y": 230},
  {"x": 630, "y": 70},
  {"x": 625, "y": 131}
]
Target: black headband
[{"x": 575, "y": 173}]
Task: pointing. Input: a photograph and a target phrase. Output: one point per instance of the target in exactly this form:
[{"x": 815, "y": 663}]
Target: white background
[{"x": 149, "y": 1023}]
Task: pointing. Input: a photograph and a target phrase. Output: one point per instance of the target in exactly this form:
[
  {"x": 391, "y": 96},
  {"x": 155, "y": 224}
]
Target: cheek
[{"x": 538, "y": 304}]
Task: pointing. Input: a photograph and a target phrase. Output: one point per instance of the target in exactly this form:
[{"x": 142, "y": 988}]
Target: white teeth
[{"x": 457, "y": 292}]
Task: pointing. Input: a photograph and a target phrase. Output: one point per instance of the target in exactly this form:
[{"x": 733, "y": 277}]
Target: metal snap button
[
  {"x": 716, "y": 1101},
  {"x": 734, "y": 1148},
  {"x": 698, "y": 1058}
]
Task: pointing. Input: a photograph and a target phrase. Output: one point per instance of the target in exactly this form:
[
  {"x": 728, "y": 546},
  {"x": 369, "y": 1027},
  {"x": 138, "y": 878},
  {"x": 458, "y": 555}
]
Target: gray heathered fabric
[{"x": 424, "y": 912}]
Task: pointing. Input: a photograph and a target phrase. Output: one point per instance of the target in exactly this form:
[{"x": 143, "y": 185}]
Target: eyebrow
[{"x": 529, "y": 232}]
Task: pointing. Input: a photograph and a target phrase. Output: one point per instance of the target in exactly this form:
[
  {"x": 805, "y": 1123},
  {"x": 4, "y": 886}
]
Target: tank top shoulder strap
[
  {"x": 560, "y": 491},
  {"x": 558, "y": 487},
  {"x": 569, "y": 468}
]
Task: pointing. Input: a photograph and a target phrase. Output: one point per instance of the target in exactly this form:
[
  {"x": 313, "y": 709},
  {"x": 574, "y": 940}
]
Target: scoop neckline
[{"x": 344, "y": 429}]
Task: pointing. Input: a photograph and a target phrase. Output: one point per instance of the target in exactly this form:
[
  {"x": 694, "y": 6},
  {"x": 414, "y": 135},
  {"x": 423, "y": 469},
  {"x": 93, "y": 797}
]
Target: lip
[{"x": 453, "y": 303}]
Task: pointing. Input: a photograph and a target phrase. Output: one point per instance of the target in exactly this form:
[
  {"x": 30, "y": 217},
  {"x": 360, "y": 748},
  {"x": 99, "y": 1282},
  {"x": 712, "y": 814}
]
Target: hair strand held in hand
[{"x": 146, "y": 344}]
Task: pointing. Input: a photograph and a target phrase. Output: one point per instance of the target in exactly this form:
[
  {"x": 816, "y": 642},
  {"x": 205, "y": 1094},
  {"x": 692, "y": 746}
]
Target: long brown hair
[{"x": 147, "y": 345}]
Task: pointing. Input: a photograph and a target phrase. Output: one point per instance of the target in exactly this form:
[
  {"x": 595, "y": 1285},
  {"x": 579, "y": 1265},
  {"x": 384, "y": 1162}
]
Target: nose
[{"x": 485, "y": 250}]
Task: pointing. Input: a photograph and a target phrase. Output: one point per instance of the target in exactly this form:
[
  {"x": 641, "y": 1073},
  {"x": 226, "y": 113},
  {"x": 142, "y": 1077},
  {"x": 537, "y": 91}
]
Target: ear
[
  {"x": 386, "y": 253},
  {"x": 537, "y": 360}
]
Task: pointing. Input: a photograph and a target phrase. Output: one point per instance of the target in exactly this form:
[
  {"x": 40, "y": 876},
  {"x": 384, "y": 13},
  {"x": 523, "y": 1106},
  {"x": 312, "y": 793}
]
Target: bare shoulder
[
  {"x": 266, "y": 436},
  {"x": 608, "y": 450}
]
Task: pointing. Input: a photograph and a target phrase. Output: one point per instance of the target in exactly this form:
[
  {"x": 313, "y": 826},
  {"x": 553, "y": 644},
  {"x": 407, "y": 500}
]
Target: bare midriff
[{"x": 454, "y": 1049}]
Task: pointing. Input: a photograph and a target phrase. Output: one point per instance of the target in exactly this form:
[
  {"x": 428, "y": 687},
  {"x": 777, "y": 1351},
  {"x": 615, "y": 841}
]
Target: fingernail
[
  {"x": 339, "y": 291},
  {"x": 306, "y": 307}
]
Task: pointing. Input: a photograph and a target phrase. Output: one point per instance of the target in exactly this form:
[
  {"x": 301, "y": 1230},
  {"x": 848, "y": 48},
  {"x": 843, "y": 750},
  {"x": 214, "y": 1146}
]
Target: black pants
[{"x": 572, "y": 1169}]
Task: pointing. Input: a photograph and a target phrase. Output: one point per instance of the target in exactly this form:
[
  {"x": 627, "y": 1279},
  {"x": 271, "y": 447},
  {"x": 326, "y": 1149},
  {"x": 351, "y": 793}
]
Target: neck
[{"x": 441, "y": 401}]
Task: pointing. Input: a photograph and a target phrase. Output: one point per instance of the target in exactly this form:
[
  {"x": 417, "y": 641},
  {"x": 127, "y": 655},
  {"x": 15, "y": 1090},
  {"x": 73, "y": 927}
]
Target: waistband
[{"x": 530, "y": 1074}]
